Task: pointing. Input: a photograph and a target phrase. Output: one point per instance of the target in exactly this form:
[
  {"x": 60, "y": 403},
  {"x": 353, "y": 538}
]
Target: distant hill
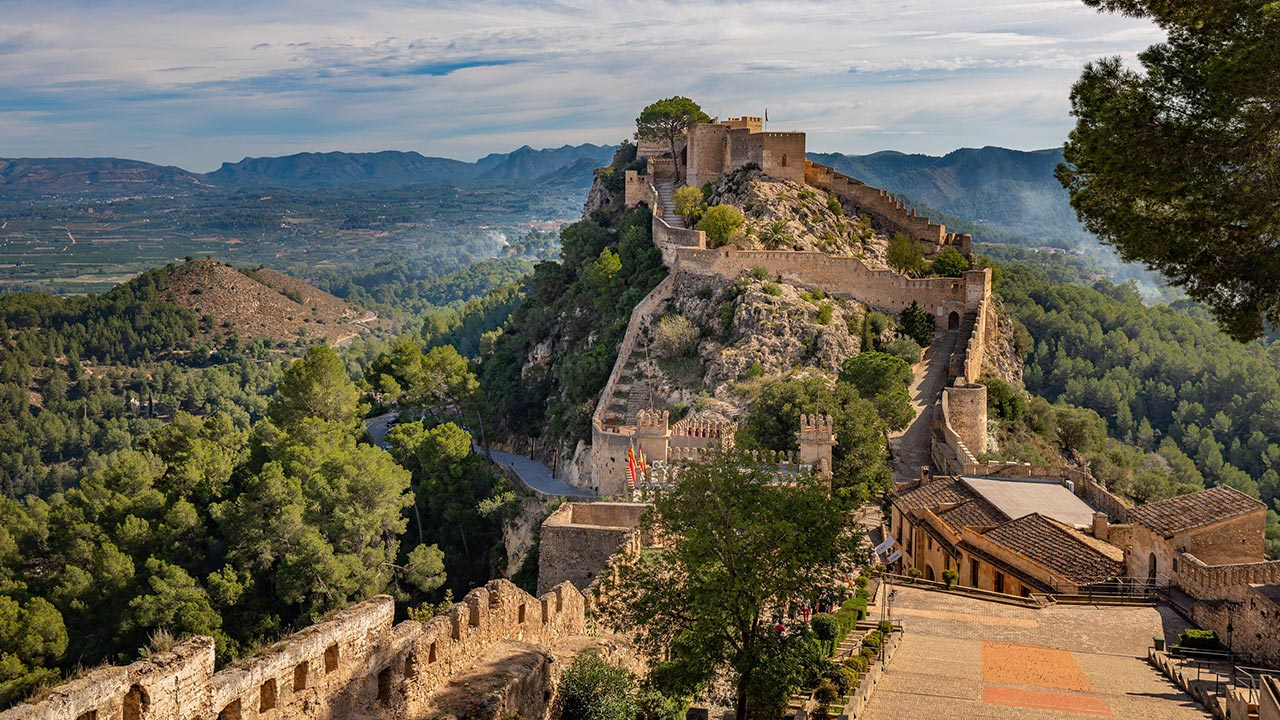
[
  {"x": 571, "y": 166},
  {"x": 1012, "y": 190},
  {"x": 263, "y": 304},
  {"x": 70, "y": 175},
  {"x": 308, "y": 170}
]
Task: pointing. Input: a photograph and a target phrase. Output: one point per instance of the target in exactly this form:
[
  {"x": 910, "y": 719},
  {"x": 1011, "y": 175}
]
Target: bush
[
  {"x": 1003, "y": 400},
  {"x": 826, "y": 692},
  {"x": 858, "y": 664},
  {"x": 904, "y": 254},
  {"x": 950, "y": 263},
  {"x": 873, "y": 640},
  {"x": 823, "y": 316},
  {"x": 825, "y": 627},
  {"x": 950, "y": 577},
  {"x": 833, "y": 204},
  {"x": 771, "y": 288},
  {"x": 688, "y": 202},
  {"x": 915, "y": 573},
  {"x": 1199, "y": 639},
  {"x": 885, "y": 627},
  {"x": 721, "y": 223},
  {"x": 760, "y": 272},
  {"x": 876, "y": 373},
  {"x": 674, "y": 337},
  {"x": 903, "y": 347},
  {"x": 917, "y": 324},
  {"x": 592, "y": 689}
]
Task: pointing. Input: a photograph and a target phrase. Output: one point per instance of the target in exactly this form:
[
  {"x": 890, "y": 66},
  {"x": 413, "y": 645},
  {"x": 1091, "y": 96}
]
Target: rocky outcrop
[{"x": 785, "y": 215}]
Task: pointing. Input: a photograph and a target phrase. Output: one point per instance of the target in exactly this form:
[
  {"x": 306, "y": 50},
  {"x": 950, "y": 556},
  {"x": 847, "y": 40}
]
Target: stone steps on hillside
[{"x": 666, "y": 197}]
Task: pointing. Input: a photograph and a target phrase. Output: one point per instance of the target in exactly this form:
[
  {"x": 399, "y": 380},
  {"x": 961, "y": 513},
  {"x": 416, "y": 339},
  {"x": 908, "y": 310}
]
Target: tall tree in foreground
[
  {"x": 740, "y": 551},
  {"x": 1178, "y": 164},
  {"x": 668, "y": 120}
]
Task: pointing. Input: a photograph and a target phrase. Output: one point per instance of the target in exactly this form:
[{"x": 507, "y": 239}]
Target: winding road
[{"x": 536, "y": 476}]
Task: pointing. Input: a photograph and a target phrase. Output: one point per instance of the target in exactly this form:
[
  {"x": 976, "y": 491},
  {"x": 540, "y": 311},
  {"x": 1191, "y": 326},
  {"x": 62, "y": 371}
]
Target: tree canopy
[
  {"x": 1178, "y": 164},
  {"x": 702, "y": 608},
  {"x": 669, "y": 119}
]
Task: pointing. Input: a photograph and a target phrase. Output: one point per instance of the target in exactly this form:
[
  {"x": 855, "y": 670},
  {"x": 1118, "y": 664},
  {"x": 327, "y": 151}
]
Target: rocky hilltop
[{"x": 263, "y": 304}]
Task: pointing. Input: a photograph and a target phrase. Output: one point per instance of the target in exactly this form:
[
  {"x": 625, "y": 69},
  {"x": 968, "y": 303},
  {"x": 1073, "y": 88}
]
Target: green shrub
[
  {"x": 688, "y": 202},
  {"x": 857, "y": 663},
  {"x": 1199, "y": 639},
  {"x": 807, "y": 194},
  {"x": 917, "y": 324},
  {"x": 873, "y": 640},
  {"x": 915, "y": 573},
  {"x": 950, "y": 577},
  {"x": 771, "y": 288},
  {"x": 833, "y": 204},
  {"x": 825, "y": 627},
  {"x": 826, "y": 692},
  {"x": 823, "y": 316},
  {"x": 721, "y": 223},
  {"x": 903, "y": 347},
  {"x": 950, "y": 263},
  {"x": 885, "y": 627},
  {"x": 592, "y": 689}
]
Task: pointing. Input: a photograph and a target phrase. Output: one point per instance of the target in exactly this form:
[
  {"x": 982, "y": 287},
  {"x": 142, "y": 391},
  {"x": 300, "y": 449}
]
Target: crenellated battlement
[{"x": 356, "y": 663}]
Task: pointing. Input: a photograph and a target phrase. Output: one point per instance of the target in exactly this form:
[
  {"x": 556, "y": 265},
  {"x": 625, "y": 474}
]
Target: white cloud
[{"x": 195, "y": 86}]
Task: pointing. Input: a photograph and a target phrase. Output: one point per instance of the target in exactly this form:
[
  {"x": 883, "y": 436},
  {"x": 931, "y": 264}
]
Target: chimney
[{"x": 1101, "y": 528}]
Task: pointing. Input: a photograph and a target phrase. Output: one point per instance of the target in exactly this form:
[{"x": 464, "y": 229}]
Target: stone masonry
[{"x": 357, "y": 664}]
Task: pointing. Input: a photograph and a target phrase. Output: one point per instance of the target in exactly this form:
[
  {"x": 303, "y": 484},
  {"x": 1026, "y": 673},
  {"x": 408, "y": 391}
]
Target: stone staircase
[
  {"x": 666, "y": 196},
  {"x": 630, "y": 395}
]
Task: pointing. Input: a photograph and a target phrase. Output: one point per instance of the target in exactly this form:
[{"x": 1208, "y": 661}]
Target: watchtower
[
  {"x": 653, "y": 433},
  {"x": 817, "y": 437}
]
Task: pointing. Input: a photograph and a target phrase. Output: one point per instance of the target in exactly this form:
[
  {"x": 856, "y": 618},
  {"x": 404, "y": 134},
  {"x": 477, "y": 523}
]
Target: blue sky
[{"x": 195, "y": 85}]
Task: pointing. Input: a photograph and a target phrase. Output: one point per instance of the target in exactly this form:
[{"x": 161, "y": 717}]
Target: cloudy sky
[{"x": 194, "y": 86}]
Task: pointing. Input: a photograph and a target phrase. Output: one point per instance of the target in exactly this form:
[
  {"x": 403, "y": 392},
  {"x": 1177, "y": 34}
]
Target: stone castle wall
[
  {"x": 578, "y": 539},
  {"x": 885, "y": 211},
  {"x": 356, "y": 664},
  {"x": 1222, "y": 582}
]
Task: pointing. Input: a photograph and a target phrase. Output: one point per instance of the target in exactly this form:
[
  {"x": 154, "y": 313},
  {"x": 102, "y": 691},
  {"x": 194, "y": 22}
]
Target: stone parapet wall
[
  {"x": 1246, "y": 620},
  {"x": 1219, "y": 582},
  {"x": 885, "y": 211},
  {"x": 357, "y": 663},
  {"x": 842, "y": 276}
]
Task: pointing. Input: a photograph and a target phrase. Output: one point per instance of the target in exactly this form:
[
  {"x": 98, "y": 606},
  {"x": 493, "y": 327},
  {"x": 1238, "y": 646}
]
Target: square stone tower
[{"x": 817, "y": 437}]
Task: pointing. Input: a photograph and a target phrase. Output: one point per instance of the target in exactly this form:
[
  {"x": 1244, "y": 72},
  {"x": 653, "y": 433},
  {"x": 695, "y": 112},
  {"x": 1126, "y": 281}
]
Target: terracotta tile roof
[
  {"x": 1188, "y": 512},
  {"x": 933, "y": 494},
  {"x": 973, "y": 513},
  {"x": 1059, "y": 548}
]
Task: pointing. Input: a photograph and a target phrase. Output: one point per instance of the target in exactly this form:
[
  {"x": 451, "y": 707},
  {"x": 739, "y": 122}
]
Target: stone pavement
[{"x": 963, "y": 658}]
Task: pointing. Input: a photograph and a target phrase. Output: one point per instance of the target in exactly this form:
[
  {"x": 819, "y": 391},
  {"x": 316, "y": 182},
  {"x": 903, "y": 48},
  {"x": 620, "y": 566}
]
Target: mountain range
[
  {"x": 992, "y": 189},
  {"x": 569, "y": 165}
]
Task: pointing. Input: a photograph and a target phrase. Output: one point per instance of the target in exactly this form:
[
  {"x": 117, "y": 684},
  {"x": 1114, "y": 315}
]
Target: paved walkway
[
  {"x": 536, "y": 475},
  {"x": 912, "y": 447},
  {"x": 963, "y": 658}
]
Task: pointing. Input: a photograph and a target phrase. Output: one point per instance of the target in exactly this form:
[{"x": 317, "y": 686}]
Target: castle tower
[
  {"x": 817, "y": 437},
  {"x": 653, "y": 433}
]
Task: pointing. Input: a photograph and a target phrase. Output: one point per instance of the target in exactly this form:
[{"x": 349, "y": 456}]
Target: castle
[{"x": 713, "y": 149}]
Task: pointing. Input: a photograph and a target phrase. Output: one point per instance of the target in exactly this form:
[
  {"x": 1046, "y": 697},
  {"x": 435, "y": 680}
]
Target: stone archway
[
  {"x": 1152, "y": 567},
  {"x": 953, "y": 321},
  {"x": 929, "y": 574}
]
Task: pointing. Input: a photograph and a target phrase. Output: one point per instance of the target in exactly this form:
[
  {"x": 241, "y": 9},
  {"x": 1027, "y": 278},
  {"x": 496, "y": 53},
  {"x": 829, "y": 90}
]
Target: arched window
[
  {"x": 1151, "y": 567},
  {"x": 784, "y": 159},
  {"x": 953, "y": 321}
]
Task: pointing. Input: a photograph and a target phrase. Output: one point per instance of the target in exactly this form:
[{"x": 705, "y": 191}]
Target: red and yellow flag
[{"x": 631, "y": 467}]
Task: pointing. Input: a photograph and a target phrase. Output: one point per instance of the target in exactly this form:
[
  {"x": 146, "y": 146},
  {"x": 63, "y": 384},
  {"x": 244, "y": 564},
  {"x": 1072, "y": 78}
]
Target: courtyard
[{"x": 963, "y": 658}]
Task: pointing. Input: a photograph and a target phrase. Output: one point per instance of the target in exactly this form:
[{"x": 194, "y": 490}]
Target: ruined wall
[
  {"x": 578, "y": 540},
  {"x": 951, "y": 451},
  {"x": 356, "y": 663}
]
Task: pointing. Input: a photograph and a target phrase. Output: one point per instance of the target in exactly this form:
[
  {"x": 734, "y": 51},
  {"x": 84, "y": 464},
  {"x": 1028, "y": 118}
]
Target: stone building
[{"x": 1015, "y": 536}]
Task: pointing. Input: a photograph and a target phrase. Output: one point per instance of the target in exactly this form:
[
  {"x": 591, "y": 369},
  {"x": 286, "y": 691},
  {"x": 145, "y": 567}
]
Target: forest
[{"x": 1156, "y": 398}]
